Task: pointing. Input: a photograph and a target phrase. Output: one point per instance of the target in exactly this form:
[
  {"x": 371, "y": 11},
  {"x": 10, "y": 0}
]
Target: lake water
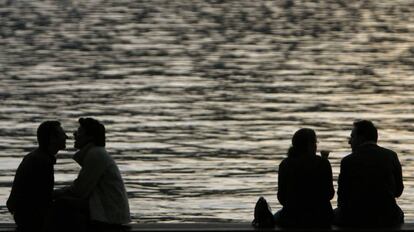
[{"x": 201, "y": 97}]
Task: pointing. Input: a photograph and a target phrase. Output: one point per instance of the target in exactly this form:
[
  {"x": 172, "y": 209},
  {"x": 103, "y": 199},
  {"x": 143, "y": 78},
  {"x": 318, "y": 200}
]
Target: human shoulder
[
  {"x": 97, "y": 150},
  {"x": 34, "y": 157},
  {"x": 97, "y": 155},
  {"x": 386, "y": 150},
  {"x": 388, "y": 155},
  {"x": 347, "y": 159},
  {"x": 32, "y": 165},
  {"x": 26, "y": 161},
  {"x": 284, "y": 163}
]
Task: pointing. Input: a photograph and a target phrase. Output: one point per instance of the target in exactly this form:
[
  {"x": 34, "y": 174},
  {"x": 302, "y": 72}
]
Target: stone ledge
[{"x": 196, "y": 227}]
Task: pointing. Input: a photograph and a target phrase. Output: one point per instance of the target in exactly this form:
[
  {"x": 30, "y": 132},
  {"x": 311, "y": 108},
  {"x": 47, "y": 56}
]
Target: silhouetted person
[
  {"x": 305, "y": 185},
  {"x": 31, "y": 194},
  {"x": 369, "y": 181},
  {"x": 97, "y": 198}
]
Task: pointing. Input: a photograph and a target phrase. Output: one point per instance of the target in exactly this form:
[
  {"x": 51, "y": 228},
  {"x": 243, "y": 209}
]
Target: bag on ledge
[{"x": 263, "y": 217}]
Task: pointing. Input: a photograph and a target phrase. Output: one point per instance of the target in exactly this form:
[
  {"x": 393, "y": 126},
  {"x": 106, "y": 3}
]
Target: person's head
[
  {"x": 51, "y": 137},
  {"x": 364, "y": 131},
  {"x": 90, "y": 131},
  {"x": 303, "y": 143}
]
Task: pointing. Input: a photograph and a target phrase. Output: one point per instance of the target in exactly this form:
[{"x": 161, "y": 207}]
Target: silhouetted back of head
[
  {"x": 303, "y": 143},
  {"x": 94, "y": 129},
  {"x": 365, "y": 129},
  {"x": 45, "y": 131}
]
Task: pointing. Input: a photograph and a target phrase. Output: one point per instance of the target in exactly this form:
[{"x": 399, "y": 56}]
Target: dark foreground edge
[{"x": 196, "y": 227}]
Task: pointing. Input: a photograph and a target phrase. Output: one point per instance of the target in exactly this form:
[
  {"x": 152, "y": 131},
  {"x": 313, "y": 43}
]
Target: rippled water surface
[{"x": 201, "y": 97}]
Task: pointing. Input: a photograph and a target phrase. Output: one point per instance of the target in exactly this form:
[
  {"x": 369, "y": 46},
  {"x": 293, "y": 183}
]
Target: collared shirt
[{"x": 100, "y": 182}]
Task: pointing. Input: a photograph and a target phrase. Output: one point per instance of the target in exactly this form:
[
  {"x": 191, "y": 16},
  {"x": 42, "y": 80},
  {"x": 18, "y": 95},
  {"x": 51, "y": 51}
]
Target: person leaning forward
[
  {"x": 369, "y": 182},
  {"x": 305, "y": 188},
  {"x": 31, "y": 194},
  {"x": 97, "y": 197}
]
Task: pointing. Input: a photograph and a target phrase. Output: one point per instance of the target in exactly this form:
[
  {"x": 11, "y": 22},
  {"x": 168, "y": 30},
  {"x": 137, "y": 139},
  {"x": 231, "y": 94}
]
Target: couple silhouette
[
  {"x": 96, "y": 199},
  {"x": 369, "y": 182}
]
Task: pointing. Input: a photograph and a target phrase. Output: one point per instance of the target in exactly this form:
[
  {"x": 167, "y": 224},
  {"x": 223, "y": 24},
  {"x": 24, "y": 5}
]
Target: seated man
[
  {"x": 369, "y": 181},
  {"x": 98, "y": 193},
  {"x": 31, "y": 194}
]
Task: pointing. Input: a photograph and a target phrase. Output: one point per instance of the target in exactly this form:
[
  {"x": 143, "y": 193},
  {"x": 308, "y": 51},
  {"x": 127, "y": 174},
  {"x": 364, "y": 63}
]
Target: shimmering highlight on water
[{"x": 200, "y": 98}]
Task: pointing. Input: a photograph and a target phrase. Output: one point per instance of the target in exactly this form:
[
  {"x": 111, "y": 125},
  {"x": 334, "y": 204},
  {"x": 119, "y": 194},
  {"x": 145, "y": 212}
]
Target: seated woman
[{"x": 304, "y": 187}]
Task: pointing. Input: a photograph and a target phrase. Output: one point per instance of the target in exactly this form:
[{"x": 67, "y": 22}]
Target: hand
[{"x": 325, "y": 154}]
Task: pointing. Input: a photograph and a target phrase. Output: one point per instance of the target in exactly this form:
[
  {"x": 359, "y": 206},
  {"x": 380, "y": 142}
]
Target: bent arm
[{"x": 92, "y": 170}]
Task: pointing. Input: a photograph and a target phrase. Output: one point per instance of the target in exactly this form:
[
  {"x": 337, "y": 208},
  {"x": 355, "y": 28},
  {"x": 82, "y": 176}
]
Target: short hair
[
  {"x": 95, "y": 129},
  {"x": 45, "y": 131},
  {"x": 366, "y": 129}
]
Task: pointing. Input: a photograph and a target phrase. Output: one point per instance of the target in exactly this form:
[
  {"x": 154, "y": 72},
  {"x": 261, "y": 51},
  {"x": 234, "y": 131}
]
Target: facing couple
[
  {"x": 97, "y": 197},
  {"x": 369, "y": 182}
]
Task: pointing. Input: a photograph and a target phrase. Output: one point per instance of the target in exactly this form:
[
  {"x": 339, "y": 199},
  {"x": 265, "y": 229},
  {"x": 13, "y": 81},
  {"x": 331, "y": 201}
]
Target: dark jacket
[
  {"x": 305, "y": 189},
  {"x": 31, "y": 193},
  {"x": 369, "y": 181}
]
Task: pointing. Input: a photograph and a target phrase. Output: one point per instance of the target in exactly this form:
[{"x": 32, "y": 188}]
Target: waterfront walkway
[{"x": 197, "y": 227}]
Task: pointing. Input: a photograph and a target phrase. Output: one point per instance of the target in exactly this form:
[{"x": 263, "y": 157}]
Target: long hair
[{"x": 301, "y": 141}]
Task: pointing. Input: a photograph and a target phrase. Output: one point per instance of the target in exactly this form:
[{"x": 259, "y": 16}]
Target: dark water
[{"x": 200, "y": 98}]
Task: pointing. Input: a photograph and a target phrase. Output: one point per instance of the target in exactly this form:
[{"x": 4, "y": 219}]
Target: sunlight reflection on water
[{"x": 200, "y": 100}]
